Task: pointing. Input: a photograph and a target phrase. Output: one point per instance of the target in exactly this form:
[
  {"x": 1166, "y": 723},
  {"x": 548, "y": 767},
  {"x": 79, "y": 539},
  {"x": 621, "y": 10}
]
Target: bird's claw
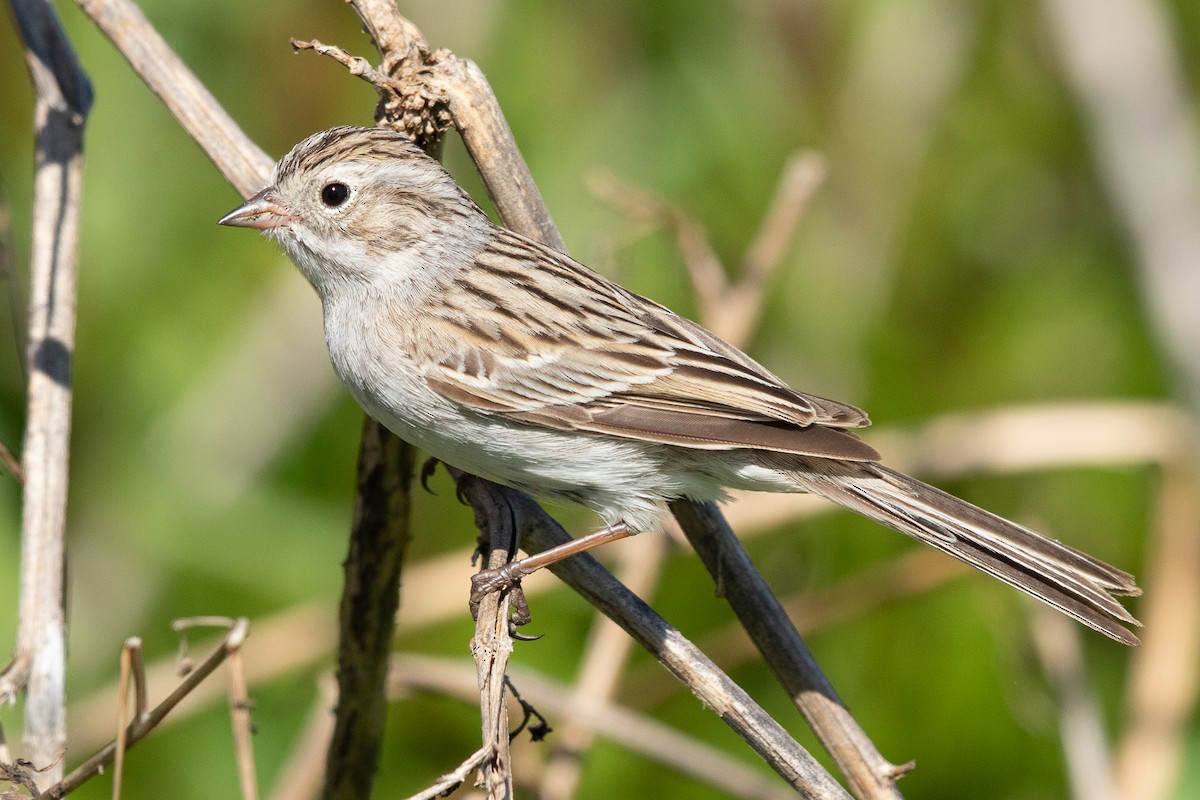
[
  {"x": 504, "y": 579},
  {"x": 427, "y": 470}
]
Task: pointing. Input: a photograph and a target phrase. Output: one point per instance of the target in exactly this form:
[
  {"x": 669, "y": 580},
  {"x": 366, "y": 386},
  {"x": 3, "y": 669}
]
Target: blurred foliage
[{"x": 962, "y": 254}]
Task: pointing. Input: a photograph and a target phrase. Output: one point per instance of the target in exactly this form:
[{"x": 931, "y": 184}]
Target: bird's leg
[{"x": 492, "y": 580}]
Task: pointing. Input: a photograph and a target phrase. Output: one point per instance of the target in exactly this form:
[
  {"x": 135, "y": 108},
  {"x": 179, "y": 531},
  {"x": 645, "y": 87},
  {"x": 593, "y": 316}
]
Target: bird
[{"x": 512, "y": 361}]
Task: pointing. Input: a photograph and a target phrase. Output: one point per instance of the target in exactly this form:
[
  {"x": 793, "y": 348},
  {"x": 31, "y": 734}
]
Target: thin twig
[
  {"x": 63, "y": 99},
  {"x": 802, "y": 174},
  {"x": 452, "y": 780},
  {"x": 240, "y": 707},
  {"x": 140, "y": 728},
  {"x": 623, "y": 727},
  {"x": 130, "y": 669},
  {"x": 296, "y": 639},
  {"x": 709, "y": 280},
  {"x": 239, "y": 701},
  {"x": 356, "y": 65}
]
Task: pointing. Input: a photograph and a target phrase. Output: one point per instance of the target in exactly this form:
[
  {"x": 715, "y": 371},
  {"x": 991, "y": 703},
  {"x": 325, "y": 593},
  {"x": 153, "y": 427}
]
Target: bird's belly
[{"x": 620, "y": 479}]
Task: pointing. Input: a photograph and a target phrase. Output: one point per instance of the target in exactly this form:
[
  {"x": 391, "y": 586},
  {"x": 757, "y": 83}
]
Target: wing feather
[{"x": 563, "y": 347}]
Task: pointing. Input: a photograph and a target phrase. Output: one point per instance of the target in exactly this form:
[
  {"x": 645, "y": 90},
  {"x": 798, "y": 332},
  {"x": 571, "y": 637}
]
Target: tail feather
[{"x": 1073, "y": 582}]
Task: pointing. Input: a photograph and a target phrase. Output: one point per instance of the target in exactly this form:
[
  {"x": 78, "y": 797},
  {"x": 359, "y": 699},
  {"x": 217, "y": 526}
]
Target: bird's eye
[{"x": 334, "y": 194}]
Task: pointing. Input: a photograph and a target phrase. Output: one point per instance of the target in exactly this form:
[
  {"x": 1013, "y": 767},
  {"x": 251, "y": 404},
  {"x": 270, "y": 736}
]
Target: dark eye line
[{"x": 335, "y": 193}]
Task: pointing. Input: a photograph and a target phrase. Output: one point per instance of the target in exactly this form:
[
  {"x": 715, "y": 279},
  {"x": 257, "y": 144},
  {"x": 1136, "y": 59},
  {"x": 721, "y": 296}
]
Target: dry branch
[
  {"x": 455, "y": 778},
  {"x": 63, "y": 99},
  {"x": 240, "y": 707},
  {"x": 379, "y": 539}
]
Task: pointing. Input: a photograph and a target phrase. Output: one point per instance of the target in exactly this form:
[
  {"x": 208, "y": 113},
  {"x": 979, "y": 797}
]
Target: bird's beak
[{"x": 263, "y": 212}]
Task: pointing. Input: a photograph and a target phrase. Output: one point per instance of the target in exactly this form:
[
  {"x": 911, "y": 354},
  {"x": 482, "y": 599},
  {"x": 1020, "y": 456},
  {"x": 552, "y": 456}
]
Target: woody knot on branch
[{"x": 412, "y": 92}]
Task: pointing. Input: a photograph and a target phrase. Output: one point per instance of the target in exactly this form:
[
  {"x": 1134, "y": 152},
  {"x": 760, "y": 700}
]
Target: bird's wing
[{"x": 559, "y": 346}]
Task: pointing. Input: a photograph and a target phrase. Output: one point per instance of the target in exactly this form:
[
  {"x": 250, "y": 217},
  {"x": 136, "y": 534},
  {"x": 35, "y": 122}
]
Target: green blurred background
[{"x": 964, "y": 253}]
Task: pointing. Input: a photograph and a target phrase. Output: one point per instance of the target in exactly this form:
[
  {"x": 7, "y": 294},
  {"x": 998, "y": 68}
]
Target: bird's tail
[{"x": 1073, "y": 582}]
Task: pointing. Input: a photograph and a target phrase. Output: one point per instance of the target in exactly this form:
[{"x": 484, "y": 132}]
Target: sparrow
[{"x": 514, "y": 362}]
